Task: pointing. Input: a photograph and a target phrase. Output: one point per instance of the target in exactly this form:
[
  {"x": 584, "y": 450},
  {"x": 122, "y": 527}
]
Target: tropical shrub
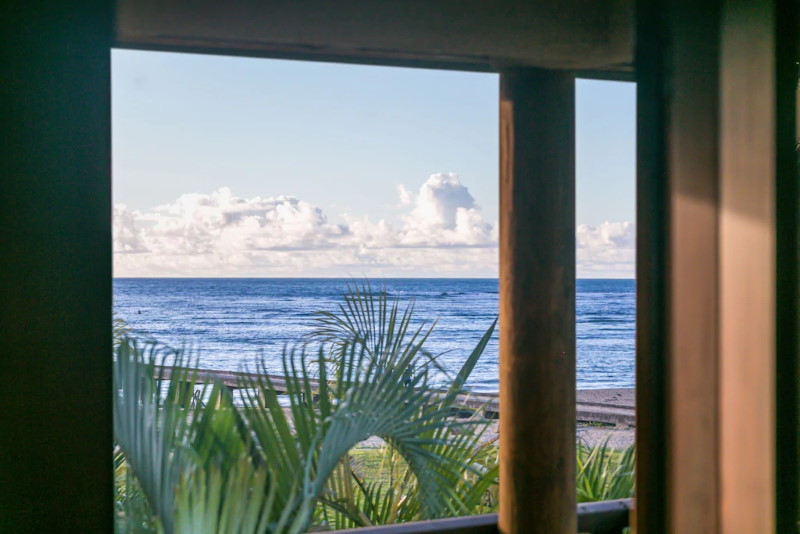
[
  {"x": 604, "y": 473},
  {"x": 262, "y": 468}
]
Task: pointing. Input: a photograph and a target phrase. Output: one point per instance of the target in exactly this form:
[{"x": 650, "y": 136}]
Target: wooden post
[
  {"x": 537, "y": 302},
  {"x": 708, "y": 272}
]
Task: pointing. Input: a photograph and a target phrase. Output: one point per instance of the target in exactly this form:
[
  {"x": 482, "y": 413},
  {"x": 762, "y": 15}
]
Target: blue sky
[{"x": 252, "y": 167}]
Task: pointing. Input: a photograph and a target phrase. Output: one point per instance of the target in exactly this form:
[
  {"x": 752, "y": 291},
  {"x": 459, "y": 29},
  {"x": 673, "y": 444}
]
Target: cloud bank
[
  {"x": 607, "y": 250},
  {"x": 440, "y": 233}
]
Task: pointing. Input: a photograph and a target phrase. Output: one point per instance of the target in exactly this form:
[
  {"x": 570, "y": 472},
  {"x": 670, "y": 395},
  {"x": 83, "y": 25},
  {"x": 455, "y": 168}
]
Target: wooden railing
[{"x": 605, "y": 517}]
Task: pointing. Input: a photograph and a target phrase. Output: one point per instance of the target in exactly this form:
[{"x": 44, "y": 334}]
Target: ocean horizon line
[{"x": 365, "y": 278}]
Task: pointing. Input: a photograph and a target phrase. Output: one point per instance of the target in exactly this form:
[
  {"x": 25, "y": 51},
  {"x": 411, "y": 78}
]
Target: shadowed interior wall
[{"x": 55, "y": 267}]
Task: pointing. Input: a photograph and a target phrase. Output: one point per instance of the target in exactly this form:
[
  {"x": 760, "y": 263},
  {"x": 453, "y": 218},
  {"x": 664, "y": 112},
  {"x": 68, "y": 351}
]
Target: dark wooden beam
[
  {"x": 55, "y": 267},
  {"x": 470, "y": 35},
  {"x": 652, "y": 239},
  {"x": 537, "y": 302}
]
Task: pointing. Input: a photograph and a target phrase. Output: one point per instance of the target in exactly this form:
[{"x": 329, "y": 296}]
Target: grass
[
  {"x": 370, "y": 464},
  {"x": 603, "y": 472}
]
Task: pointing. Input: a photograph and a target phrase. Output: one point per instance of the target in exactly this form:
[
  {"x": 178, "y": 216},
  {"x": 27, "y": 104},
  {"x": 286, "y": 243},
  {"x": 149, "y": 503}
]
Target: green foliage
[
  {"x": 379, "y": 487},
  {"x": 255, "y": 468},
  {"x": 367, "y": 319},
  {"x": 170, "y": 451},
  {"x": 119, "y": 330},
  {"x": 604, "y": 473},
  {"x": 265, "y": 467},
  {"x": 131, "y": 511}
]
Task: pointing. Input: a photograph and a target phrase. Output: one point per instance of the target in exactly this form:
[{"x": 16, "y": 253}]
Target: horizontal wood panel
[{"x": 470, "y": 34}]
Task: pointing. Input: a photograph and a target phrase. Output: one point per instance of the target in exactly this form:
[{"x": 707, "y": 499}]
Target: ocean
[{"x": 231, "y": 323}]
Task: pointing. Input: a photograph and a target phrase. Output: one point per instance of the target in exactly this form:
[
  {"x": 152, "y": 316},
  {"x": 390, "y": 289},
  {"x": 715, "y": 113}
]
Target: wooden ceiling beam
[{"x": 591, "y": 35}]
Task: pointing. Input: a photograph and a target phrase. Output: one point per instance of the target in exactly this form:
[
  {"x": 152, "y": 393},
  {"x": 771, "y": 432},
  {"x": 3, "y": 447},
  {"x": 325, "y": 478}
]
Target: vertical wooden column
[
  {"x": 537, "y": 302},
  {"x": 55, "y": 267},
  {"x": 709, "y": 270}
]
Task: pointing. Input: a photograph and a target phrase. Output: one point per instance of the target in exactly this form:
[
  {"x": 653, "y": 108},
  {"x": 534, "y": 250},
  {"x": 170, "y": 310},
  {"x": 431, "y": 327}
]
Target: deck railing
[{"x": 605, "y": 517}]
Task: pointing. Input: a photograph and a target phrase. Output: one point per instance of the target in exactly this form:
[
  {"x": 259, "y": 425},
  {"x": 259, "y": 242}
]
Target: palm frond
[
  {"x": 367, "y": 396},
  {"x": 119, "y": 330},
  {"x": 160, "y": 437},
  {"x": 368, "y": 319},
  {"x": 234, "y": 499},
  {"x": 148, "y": 428}
]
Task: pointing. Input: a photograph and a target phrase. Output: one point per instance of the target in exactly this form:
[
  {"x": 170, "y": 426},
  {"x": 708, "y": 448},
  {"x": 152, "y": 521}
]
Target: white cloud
[
  {"x": 606, "y": 250},
  {"x": 223, "y": 223},
  {"x": 406, "y": 196},
  {"x": 445, "y": 214},
  {"x": 442, "y": 233},
  {"x": 127, "y": 237}
]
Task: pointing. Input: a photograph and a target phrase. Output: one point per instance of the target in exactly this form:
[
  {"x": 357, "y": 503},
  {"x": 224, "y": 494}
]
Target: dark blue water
[{"x": 233, "y": 322}]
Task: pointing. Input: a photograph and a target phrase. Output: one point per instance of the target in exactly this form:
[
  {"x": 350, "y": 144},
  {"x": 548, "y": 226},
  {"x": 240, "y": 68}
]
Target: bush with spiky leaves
[
  {"x": 604, "y": 473},
  {"x": 255, "y": 469}
]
